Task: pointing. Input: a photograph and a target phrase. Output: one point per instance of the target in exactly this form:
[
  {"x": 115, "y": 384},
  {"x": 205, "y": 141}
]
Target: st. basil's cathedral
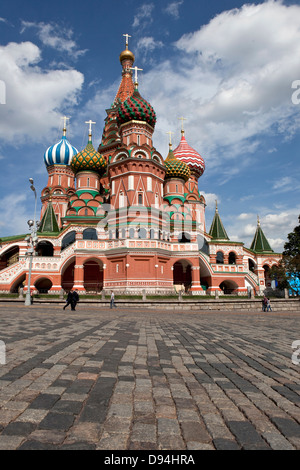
[{"x": 127, "y": 219}]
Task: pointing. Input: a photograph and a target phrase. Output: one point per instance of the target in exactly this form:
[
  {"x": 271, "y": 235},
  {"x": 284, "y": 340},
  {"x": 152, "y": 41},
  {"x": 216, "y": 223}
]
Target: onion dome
[
  {"x": 176, "y": 168},
  {"x": 89, "y": 160},
  {"x": 188, "y": 155},
  {"x": 127, "y": 55},
  {"x": 135, "y": 108},
  {"x": 60, "y": 153}
]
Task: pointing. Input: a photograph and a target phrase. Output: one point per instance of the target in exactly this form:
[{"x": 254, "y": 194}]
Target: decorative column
[
  {"x": 78, "y": 275},
  {"x": 196, "y": 284}
]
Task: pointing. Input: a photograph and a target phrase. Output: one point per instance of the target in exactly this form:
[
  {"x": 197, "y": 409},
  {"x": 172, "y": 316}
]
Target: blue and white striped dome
[{"x": 60, "y": 153}]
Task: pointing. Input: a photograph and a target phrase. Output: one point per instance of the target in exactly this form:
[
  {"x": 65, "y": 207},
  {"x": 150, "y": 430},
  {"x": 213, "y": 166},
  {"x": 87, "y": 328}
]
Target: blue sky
[{"x": 226, "y": 66}]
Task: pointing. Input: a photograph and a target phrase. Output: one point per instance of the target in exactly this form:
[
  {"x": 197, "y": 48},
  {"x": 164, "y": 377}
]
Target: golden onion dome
[
  {"x": 89, "y": 160},
  {"x": 127, "y": 55},
  {"x": 176, "y": 168}
]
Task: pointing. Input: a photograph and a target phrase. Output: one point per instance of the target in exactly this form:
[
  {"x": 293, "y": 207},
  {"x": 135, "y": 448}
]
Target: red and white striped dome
[{"x": 188, "y": 155}]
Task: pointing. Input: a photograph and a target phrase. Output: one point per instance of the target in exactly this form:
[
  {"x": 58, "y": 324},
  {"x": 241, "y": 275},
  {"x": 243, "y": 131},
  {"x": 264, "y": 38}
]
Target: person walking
[
  {"x": 112, "y": 300},
  {"x": 69, "y": 299},
  {"x": 269, "y": 308},
  {"x": 75, "y": 300},
  {"x": 264, "y": 304}
]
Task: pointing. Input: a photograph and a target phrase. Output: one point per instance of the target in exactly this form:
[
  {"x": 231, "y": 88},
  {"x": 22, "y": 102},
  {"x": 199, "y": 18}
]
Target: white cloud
[
  {"x": 276, "y": 226},
  {"x": 144, "y": 16},
  {"x": 172, "y": 9},
  {"x": 148, "y": 44},
  {"x": 13, "y": 215},
  {"x": 244, "y": 216},
  {"x": 232, "y": 81},
  {"x": 35, "y": 98},
  {"x": 210, "y": 199},
  {"x": 55, "y": 36}
]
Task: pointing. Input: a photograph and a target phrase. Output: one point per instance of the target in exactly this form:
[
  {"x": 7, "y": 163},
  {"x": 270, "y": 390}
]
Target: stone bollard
[
  {"x": 216, "y": 294},
  {"x": 286, "y": 293},
  {"x": 144, "y": 295},
  {"x": 180, "y": 296},
  {"x": 61, "y": 294},
  {"x": 103, "y": 294},
  {"x": 21, "y": 296}
]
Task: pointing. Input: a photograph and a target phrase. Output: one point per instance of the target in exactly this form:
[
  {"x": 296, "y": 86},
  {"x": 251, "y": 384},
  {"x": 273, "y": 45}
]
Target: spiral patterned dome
[
  {"x": 89, "y": 160},
  {"x": 188, "y": 155},
  {"x": 60, "y": 153},
  {"x": 176, "y": 168},
  {"x": 135, "y": 108}
]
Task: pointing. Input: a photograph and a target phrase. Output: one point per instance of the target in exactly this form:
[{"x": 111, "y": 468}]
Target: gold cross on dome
[
  {"x": 136, "y": 69},
  {"x": 90, "y": 122},
  {"x": 127, "y": 37},
  {"x": 182, "y": 119},
  {"x": 170, "y": 136},
  {"x": 65, "y": 119}
]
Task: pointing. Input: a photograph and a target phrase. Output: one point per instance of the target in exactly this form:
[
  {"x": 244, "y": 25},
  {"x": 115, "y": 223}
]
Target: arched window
[
  {"x": 140, "y": 199},
  {"x": 68, "y": 239},
  {"x": 220, "y": 257},
  {"x": 90, "y": 234},
  {"x": 121, "y": 199},
  {"x": 251, "y": 265},
  {"x": 142, "y": 233},
  {"x": 44, "y": 248},
  {"x": 232, "y": 258}
]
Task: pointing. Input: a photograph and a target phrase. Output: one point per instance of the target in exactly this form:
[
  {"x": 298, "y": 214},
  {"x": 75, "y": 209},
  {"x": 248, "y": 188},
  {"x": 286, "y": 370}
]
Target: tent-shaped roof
[
  {"x": 49, "y": 221},
  {"x": 260, "y": 243},
  {"x": 217, "y": 230}
]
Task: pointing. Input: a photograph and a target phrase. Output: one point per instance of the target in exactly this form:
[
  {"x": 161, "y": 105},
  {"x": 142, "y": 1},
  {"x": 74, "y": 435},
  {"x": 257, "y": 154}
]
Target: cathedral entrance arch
[
  {"x": 182, "y": 275},
  {"x": 228, "y": 287},
  {"x": 93, "y": 275},
  {"x": 18, "y": 284},
  {"x": 43, "y": 285},
  {"x": 268, "y": 280},
  {"x": 67, "y": 276}
]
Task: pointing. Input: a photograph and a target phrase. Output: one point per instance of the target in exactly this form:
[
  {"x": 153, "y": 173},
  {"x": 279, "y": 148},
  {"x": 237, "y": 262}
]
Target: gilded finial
[
  {"x": 90, "y": 122},
  {"x": 170, "y": 138},
  {"x": 65, "y": 119},
  {"x": 182, "y": 128}
]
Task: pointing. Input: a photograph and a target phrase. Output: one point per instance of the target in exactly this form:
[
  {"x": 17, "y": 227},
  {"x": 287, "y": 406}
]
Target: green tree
[{"x": 289, "y": 267}]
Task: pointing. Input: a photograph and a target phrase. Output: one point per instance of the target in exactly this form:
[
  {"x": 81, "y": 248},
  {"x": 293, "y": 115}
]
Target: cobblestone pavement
[{"x": 125, "y": 379}]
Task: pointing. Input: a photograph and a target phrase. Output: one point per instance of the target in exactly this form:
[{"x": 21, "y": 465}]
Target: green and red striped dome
[
  {"x": 136, "y": 108},
  {"x": 89, "y": 160},
  {"x": 176, "y": 168}
]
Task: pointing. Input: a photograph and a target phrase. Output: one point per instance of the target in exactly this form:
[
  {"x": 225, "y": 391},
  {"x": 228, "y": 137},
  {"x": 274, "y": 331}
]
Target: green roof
[
  {"x": 217, "y": 230},
  {"x": 260, "y": 244},
  {"x": 49, "y": 221}
]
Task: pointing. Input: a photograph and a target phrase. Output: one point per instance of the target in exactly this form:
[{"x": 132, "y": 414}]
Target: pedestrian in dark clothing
[
  {"x": 264, "y": 304},
  {"x": 69, "y": 299},
  {"x": 112, "y": 300},
  {"x": 75, "y": 300}
]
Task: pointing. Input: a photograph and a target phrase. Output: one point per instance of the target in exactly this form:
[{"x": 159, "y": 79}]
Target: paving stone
[
  {"x": 59, "y": 421},
  {"x": 148, "y": 380},
  {"x": 247, "y": 436}
]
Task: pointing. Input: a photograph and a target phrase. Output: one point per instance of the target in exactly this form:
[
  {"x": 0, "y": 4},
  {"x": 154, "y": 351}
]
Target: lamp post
[{"x": 32, "y": 239}]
